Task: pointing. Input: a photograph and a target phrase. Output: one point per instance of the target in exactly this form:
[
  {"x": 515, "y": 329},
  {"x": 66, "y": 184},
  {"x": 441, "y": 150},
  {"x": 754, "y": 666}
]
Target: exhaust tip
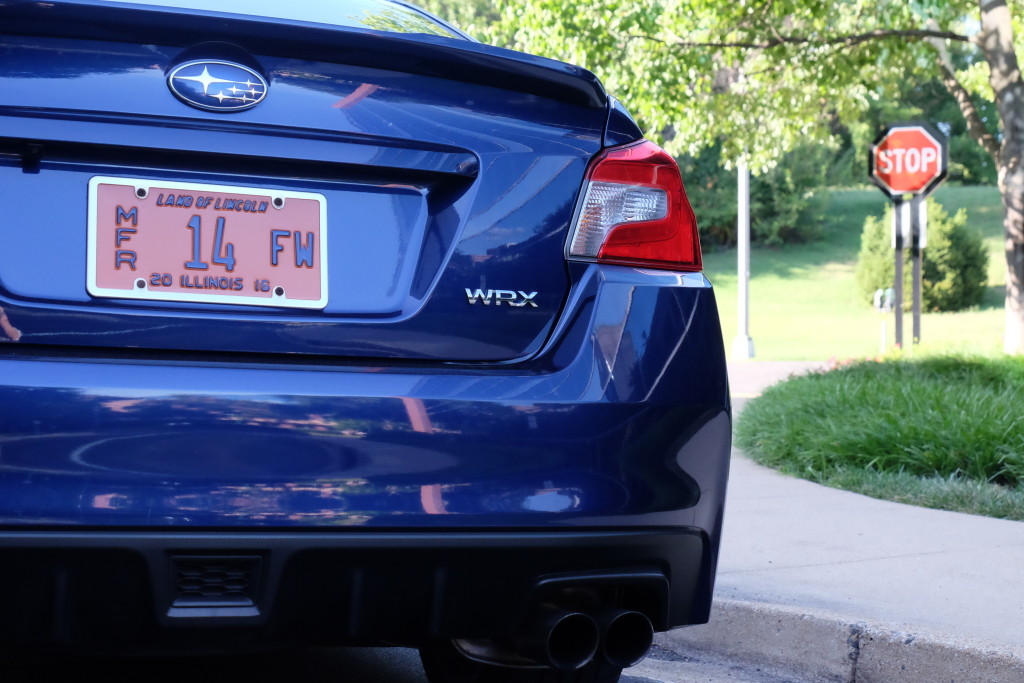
[
  {"x": 627, "y": 638},
  {"x": 572, "y": 641},
  {"x": 553, "y": 638}
]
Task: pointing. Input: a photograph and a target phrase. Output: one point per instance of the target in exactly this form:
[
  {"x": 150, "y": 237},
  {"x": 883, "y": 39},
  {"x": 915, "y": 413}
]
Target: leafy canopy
[{"x": 759, "y": 75}]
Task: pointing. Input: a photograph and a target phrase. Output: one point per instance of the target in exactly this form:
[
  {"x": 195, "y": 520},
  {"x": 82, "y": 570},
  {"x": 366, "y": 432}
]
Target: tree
[
  {"x": 761, "y": 75},
  {"x": 917, "y": 99}
]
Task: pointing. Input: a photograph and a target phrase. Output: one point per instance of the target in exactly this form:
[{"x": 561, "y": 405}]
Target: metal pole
[
  {"x": 897, "y": 304},
  {"x": 743, "y": 345},
  {"x": 915, "y": 255}
]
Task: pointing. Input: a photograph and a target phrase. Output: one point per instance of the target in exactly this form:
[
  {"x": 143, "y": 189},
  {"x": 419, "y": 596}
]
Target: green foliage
[
  {"x": 954, "y": 264},
  {"x": 712, "y": 193},
  {"x": 846, "y": 168},
  {"x": 875, "y": 266},
  {"x": 687, "y": 66},
  {"x": 913, "y": 99},
  {"x": 969, "y": 163},
  {"x": 401, "y": 21},
  {"x": 804, "y": 299},
  {"x": 469, "y": 15},
  {"x": 788, "y": 201},
  {"x": 947, "y": 418},
  {"x": 695, "y": 75}
]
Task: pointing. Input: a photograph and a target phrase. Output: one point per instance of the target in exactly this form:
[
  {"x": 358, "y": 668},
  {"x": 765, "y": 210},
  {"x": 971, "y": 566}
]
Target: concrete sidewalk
[{"x": 840, "y": 587}]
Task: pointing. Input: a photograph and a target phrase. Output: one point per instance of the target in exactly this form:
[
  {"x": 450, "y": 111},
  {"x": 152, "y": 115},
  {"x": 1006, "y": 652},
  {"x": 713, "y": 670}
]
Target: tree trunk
[
  {"x": 996, "y": 39},
  {"x": 1011, "y": 185}
]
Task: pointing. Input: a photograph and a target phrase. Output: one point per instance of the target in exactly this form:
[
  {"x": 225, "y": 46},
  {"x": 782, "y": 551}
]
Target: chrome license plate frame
[{"x": 158, "y": 240}]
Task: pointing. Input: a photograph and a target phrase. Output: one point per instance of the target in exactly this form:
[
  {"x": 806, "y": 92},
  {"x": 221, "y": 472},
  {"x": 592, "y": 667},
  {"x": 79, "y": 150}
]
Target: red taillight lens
[{"x": 635, "y": 212}]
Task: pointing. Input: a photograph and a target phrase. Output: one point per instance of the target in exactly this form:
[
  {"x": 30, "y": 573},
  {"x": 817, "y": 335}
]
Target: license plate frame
[{"x": 160, "y": 240}]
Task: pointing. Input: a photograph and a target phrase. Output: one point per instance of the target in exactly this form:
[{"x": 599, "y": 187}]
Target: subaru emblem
[{"x": 217, "y": 86}]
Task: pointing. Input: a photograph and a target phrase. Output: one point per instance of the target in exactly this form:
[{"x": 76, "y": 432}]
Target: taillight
[{"x": 635, "y": 212}]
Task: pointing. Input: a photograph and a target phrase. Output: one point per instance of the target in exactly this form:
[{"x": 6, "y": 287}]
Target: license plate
[{"x": 169, "y": 241}]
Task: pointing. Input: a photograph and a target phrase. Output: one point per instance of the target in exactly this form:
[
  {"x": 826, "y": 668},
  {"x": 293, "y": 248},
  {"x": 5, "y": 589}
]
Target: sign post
[
  {"x": 907, "y": 162},
  {"x": 883, "y": 304}
]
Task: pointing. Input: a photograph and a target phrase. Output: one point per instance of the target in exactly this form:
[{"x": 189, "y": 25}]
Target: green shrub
[{"x": 954, "y": 264}]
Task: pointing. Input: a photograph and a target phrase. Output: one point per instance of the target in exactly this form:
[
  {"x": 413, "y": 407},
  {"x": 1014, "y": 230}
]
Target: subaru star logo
[{"x": 217, "y": 86}]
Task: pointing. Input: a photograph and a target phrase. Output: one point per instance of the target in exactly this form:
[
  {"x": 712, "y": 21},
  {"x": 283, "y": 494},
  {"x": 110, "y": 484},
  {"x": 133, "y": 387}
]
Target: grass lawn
[
  {"x": 943, "y": 431},
  {"x": 804, "y": 300}
]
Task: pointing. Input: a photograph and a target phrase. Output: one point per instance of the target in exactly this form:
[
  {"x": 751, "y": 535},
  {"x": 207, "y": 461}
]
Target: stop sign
[{"x": 908, "y": 159}]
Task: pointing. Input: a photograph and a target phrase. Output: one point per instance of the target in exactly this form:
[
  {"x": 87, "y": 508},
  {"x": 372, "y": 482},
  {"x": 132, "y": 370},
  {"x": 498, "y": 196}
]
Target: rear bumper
[
  {"x": 622, "y": 421},
  {"x": 149, "y": 591},
  {"x": 170, "y": 502}
]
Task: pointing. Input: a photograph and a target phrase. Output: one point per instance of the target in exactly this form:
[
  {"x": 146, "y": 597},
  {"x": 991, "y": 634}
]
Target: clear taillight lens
[{"x": 635, "y": 212}]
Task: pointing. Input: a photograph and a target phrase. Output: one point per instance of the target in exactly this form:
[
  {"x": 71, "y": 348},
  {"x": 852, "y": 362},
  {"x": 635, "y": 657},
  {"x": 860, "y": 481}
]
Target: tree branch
[
  {"x": 844, "y": 41},
  {"x": 975, "y": 126}
]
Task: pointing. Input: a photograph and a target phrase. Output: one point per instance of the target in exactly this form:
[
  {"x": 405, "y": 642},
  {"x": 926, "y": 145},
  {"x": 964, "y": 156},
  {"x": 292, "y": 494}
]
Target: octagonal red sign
[{"x": 909, "y": 159}]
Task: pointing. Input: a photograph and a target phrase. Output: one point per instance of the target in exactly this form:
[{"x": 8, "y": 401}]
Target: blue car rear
[{"x": 406, "y": 343}]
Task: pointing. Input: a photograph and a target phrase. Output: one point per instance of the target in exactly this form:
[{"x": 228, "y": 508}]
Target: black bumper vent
[{"x": 223, "y": 581}]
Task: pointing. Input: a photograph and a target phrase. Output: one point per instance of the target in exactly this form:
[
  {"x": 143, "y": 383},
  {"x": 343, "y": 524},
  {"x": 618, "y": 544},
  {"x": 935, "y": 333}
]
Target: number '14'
[{"x": 223, "y": 254}]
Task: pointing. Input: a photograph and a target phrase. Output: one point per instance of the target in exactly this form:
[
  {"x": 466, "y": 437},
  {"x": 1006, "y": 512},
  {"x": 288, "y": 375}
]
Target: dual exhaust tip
[{"x": 568, "y": 641}]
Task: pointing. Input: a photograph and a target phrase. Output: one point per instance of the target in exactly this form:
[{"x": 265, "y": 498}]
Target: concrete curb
[{"x": 819, "y": 646}]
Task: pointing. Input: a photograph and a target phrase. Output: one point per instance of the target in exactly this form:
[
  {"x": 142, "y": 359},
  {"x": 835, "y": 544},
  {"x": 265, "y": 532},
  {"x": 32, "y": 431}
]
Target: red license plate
[{"x": 158, "y": 240}]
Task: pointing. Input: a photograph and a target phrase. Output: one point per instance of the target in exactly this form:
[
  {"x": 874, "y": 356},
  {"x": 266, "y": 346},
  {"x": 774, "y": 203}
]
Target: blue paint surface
[{"x": 583, "y": 395}]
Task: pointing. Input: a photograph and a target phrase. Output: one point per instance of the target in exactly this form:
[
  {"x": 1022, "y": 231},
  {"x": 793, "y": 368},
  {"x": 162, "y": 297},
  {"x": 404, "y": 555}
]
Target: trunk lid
[{"x": 436, "y": 208}]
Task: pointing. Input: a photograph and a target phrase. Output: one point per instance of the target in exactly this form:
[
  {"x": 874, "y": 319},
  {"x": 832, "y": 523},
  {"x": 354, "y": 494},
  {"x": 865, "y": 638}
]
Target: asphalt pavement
[{"x": 835, "y": 586}]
